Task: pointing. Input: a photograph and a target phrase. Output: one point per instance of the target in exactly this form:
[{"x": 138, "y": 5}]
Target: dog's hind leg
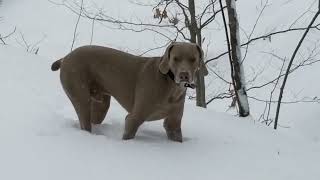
[
  {"x": 79, "y": 96},
  {"x": 82, "y": 108},
  {"x": 99, "y": 108}
]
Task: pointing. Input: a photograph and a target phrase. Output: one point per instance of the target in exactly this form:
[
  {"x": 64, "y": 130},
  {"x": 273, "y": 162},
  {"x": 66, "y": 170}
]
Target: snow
[{"x": 40, "y": 136}]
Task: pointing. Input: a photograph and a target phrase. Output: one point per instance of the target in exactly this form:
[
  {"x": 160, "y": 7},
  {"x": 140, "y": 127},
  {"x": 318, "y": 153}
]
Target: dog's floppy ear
[
  {"x": 164, "y": 64},
  {"x": 202, "y": 65}
]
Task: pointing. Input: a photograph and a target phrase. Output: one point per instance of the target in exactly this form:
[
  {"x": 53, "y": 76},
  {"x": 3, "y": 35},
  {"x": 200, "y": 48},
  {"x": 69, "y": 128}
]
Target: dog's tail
[{"x": 56, "y": 65}]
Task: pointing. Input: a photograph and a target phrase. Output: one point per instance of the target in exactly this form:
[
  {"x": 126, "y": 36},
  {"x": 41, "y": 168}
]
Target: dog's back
[{"x": 112, "y": 71}]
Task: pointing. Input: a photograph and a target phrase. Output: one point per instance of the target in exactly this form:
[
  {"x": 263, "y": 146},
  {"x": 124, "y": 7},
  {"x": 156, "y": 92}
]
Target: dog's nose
[{"x": 184, "y": 76}]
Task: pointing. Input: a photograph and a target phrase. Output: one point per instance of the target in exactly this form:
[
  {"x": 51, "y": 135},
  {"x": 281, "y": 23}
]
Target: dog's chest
[
  {"x": 161, "y": 110},
  {"x": 158, "y": 114}
]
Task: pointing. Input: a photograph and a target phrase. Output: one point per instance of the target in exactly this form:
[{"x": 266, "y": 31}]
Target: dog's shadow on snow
[{"x": 114, "y": 128}]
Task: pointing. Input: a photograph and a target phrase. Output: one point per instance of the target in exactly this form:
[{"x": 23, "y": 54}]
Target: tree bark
[
  {"x": 195, "y": 37},
  {"x": 193, "y": 22},
  {"x": 238, "y": 72},
  {"x": 201, "y": 88}
]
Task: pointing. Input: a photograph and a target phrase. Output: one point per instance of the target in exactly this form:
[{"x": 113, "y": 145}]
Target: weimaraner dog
[{"x": 149, "y": 88}]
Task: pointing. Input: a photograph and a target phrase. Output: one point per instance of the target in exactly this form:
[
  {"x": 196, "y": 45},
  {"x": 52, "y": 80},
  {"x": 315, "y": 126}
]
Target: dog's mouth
[
  {"x": 183, "y": 83},
  {"x": 190, "y": 85}
]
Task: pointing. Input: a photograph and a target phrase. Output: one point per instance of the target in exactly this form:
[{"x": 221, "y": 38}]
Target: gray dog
[{"x": 149, "y": 88}]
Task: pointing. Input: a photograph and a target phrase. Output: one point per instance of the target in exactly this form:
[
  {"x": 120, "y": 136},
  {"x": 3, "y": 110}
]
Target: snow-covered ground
[
  {"x": 39, "y": 132},
  {"x": 40, "y": 138}
]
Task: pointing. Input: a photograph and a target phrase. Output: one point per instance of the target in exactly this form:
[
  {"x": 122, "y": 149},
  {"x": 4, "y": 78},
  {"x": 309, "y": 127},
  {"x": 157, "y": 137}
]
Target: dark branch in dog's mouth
[{"x": 188, "y": 85}]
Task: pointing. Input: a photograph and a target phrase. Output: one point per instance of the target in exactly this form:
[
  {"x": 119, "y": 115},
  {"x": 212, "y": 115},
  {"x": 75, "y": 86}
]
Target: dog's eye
[
  {"x": 192, "y": 60},
  {"x": 176, "y": 59}
]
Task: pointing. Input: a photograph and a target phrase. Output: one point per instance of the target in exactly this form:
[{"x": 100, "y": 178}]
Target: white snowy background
[{"x": 39, "y": 132}]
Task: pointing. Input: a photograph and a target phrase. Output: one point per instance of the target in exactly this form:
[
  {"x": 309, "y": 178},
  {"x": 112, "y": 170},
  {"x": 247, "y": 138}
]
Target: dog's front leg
[
  {"x": 173, "y": 129},
  {"x": 132, "y": 124},
  {"x": 172, "y": 124}
]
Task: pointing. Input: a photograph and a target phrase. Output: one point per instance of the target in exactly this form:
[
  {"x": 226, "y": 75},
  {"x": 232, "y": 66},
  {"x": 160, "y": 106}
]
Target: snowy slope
[
  {"x": 39, "y": 132},
  {"x": 40, "y": 138}
]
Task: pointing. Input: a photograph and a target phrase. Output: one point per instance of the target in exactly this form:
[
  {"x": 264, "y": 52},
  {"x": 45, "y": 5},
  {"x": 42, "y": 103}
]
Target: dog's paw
[
  {"x": 127, "y": 136},
  {"x": 175, "y": 135}
]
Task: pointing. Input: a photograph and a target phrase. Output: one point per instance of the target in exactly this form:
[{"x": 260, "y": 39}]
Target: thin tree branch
[
  {"x": 2, "y": 38},
  {"x": 265, "y": 36},
  {"x": 253, "y": 29},
  {"x": 313, "y": 100},
  {"x": 290, "y": 64},
  {"x": 92, "y": 30},
  {"x": 227, "y": 39},
  {"x": 76, "y": 26}
]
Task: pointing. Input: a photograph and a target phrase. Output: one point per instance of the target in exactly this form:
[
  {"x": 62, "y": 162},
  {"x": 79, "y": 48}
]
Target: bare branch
[
  {"x": 302, "y": 100},
  {"x": 290, "y": 64},
  {"x": 2, "y": 38},
  {"x": 308, "y": 61},
  {"x": 212, "y": 2},
  {"x": 121, "y": 24},
  {"x": 220, "y": 96},
  {"x": 254, "y": 27},
  {"x": 159, "y": 47},
  {"x": 92, "y": 30},
  {"x": 264, "y": 37},
  {"x": 76, "y": 26}
]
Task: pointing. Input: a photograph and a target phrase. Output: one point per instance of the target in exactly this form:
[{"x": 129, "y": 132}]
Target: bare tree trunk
[
  {"x": 193, "y": 24},
  {"x": 290, "y": 64},
  {"x": 201, "y": 88},
  {"x": 238, "y": 72},
  {"x": 195, "y": 37}
]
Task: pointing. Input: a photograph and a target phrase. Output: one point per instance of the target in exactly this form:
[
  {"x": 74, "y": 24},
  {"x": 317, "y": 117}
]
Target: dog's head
[{"x": 183, "y": 60}]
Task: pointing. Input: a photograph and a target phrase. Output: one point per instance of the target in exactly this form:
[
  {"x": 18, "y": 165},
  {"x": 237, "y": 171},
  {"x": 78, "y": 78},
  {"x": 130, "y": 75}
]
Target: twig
[
  {"x": 76, "y": 26},
  {"x": 92, "y": 30},
  {"x": 254, "y": 28},
  {"x": 313, "y": 100},
  {"x": 306, "y": 62},
  {"x": 2, "y": 38},
  {"x": 152, "y": 49},
  {"x": 221, "y": 96}
]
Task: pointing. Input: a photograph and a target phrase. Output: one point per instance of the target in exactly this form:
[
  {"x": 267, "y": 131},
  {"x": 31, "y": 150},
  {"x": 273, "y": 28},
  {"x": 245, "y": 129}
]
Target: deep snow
[
  {"x": 40, "y": 138},
  {"x": 39, "y": 132}
]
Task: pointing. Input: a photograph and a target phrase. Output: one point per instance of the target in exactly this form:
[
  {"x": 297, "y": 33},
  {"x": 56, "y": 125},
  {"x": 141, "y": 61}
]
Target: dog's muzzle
[
  {"x": 189, "y": 85},
  {"x": 184, "y": 82}
]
